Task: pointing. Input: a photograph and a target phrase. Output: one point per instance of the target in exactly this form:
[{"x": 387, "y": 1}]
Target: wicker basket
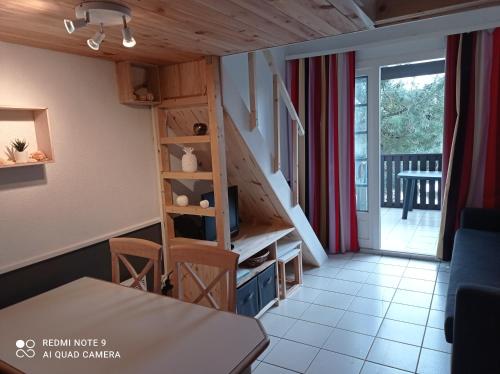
[{"x": 257, "y": 259}]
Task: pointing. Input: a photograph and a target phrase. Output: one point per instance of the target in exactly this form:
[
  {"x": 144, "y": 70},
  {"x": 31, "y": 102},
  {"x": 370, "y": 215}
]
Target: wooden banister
[
  {"x": 251, "y": 89},
  {"x": 276, "y": 121},
  {"x": 284, "y": 92}
]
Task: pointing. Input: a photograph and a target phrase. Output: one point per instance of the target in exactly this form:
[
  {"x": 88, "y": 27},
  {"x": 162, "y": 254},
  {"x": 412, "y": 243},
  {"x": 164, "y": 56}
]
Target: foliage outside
[{"x": 411, "y": 114}]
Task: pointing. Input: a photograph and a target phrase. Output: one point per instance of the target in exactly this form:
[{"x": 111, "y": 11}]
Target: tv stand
[{"x": 252, "y": 239}]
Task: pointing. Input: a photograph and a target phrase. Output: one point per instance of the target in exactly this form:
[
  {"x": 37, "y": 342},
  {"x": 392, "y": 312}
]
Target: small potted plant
[{"x": 20, "y": 150}]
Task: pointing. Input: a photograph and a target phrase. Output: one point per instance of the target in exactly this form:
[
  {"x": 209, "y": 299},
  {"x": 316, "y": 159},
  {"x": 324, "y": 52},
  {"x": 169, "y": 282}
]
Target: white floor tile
[
  {"x": 275, "y": 324},
  {"x": 334, "y": 299},
  {"x": 290, "y": 308},
  {"x": 326, "y": 362},
  {"x": 254, "y": 365},
  {"x": 436, "y": 319},
  {"x": 432, "y": 362},
  {"x": 376, "y": 292},
  {"x": 383, "y": 280},
  {"x": 343, "y": 286},
  {"x": 435, "y": 339},
  {"x": 443, "y": 277},
  {"x": 273, "y": 341},
  {"x": 322, "y": 314},
  {"x": 438, "y": 302},
  {"x": 352, "y": 275},
  {"x": 309, "y": 333},
  {"x": 441, "y": 289},
  {"x": 395, "y": 261},
  {"x": 372, "y": 368},
  {"x": 421, "y": 264},
  {"x": 413, "y": 298},
  {"x": 313, "y": 281},
  {"x": 407, "y": 313},
  {"x": 291, "y": 355},
  {"x": 401, "y": 332},
  {"x": 361, "y": 265},
  {"x": 305, "y": 294},
  {"x": 389, "y": 270},
  {"x": 398, "y": 355},
  {"x": 369, "y": 306},
  {"x": 417, "y": 285},
  {"x": 366, "y": 257},
  {"x": 349, "y": 343},
  {"x": 424, "y": 274},
  {"x": 265, "y": 368},
  {"x": 361, "y": 323},
  {"x": 324, "y": 271}
]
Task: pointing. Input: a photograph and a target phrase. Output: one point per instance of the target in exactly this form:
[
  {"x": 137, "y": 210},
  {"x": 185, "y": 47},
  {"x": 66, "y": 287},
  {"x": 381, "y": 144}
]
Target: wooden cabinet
[{"x": 131, "y": 76}]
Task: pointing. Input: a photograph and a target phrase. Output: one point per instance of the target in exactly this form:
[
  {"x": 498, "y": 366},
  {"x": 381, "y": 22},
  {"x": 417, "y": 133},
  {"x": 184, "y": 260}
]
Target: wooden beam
[
  {"x": 395, "y": 11},
  {"x": 284, "y": 92},
  {"x": 252, "y": 91},
  {"x": 352, "y": 10},
  {"x": 276, "y": 121}
]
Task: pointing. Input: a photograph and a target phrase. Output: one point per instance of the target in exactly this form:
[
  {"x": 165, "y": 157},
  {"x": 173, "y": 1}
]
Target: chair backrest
[
  {"x": 122, "y": 247},
  {"x": 183, "y": 256}
]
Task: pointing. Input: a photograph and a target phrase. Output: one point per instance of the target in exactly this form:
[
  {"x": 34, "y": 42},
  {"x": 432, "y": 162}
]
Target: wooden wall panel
[{"x": 180, "y": 80}]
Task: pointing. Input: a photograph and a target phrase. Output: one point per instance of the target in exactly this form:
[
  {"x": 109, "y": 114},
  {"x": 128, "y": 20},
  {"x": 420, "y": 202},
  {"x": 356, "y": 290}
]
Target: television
[{"x": 208, "y": 223}]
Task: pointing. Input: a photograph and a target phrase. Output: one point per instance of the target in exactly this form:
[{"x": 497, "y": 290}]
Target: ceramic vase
[
  {"x": 189, "y": 161},
  {"x": 21, "y": 156},
  {"x": 182, "y": 200},
  {"x": 200, "y": 128}
]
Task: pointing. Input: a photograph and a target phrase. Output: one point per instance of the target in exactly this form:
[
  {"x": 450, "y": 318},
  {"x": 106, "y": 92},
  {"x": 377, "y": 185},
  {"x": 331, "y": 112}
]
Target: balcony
[{"x": 418, "y": 234}]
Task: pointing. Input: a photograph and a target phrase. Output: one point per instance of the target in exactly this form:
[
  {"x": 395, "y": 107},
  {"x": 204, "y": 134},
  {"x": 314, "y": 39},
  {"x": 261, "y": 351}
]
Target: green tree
[{"x": 411, "y": 115}]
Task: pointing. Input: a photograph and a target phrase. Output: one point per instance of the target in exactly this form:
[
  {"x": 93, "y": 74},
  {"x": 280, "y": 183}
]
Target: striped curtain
[
  {"x": 322, "y": 90},
  {"x": 471, "y": 143}
]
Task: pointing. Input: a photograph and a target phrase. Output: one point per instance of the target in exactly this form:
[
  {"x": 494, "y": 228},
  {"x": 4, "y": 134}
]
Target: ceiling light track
[{"x": 102, "y": 14}]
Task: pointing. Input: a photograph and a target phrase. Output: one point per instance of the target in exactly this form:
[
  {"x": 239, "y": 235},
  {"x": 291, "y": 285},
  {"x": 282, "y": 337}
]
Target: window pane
[
  {"x": 360, "y": 90},
  {"x": 360, "y": 145},
  {"x": 362, "y": 198},
  {"x": 360, "y": 118},
  {"x": 361, "y": 172}
]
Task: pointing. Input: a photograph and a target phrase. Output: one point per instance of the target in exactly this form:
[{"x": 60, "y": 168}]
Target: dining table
[{"x": 95, "y": 326}]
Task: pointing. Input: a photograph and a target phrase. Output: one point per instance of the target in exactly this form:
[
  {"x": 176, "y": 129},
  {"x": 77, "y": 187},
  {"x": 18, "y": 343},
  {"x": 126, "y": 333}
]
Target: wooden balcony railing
[{"x": 428, "y": 194}]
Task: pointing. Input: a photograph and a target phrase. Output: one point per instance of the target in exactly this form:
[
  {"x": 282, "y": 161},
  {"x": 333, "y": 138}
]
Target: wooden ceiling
[{"x": 170, "y": 31}]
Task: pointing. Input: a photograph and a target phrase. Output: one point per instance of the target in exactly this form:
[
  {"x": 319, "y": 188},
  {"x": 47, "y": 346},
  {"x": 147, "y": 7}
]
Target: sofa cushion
[{"x": 475, "y": 260}]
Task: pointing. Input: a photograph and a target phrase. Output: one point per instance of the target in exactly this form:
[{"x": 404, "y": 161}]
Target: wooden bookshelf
[
  {"x": 199, "y": 175},
  {"x": 132, "y": 75},
  {"x": 195, "y": 139}
]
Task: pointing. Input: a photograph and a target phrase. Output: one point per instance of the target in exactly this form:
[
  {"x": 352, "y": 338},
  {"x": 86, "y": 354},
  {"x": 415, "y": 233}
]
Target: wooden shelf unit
[
  {"x": 132, "y": 75},
  {"x": 33, "y": 125},
  {"x": 195, "y": 139}
]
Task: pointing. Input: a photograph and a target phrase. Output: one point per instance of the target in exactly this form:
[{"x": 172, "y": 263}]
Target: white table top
[
  {"x": 151, "y": 333},
  {"x": 418, "y": 174}
]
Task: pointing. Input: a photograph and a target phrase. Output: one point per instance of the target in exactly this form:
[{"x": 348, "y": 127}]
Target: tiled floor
[
  {"x": 361, "y": 313},
  {"x": 417, "y": 234}
]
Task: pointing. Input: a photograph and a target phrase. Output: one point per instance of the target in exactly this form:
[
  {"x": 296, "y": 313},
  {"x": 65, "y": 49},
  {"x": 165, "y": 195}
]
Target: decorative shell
[
  {"x": 204, "y": 204},
  {"x": 182, "y": 200}
]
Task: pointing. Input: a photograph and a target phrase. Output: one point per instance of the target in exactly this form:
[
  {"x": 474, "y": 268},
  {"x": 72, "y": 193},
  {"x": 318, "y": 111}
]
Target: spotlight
[
  {"x": 96, "y": 40},
  {"x": 128, "y": 39},
  {"x": 73, "y": 25}
]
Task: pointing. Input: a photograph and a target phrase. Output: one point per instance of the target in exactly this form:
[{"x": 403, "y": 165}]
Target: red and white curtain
[
  {"x": 471, "y": 142},
  {"x": 322, "y": 90}
]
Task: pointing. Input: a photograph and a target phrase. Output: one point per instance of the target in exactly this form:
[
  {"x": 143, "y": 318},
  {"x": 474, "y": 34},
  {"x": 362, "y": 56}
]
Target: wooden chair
[
  {"x": 183, "y": 256},
  {"x": 121, "y": 247}
]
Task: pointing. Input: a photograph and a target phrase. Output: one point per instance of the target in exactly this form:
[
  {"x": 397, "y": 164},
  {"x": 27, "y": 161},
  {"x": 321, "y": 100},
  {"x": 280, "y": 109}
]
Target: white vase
[
  {"x": 21, "y": 156},
  {"x": 182, "y": 200},
  {"x": 189, "y": 161}
]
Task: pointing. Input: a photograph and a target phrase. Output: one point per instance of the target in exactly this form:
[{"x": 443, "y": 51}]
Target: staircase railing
[
  {"x": 280, "y": 94},
  {"x": 428, "y": 194}
]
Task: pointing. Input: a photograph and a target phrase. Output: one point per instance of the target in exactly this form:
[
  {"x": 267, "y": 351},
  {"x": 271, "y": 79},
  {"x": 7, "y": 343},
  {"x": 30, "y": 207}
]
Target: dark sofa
[{"x": 472, "y": 317}]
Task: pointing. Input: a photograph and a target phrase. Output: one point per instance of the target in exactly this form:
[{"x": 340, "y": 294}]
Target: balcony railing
[{"x": 428, "y": 193}]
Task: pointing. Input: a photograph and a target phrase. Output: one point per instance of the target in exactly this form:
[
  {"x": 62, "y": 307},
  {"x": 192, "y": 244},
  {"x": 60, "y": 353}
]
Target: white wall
[
  {"x": 104, "y": 179},
  {"x": 236, "y": 68}
]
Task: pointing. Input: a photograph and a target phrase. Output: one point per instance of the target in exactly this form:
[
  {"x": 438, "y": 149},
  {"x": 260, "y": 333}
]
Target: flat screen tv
[{"x": 208, "y": 225}]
